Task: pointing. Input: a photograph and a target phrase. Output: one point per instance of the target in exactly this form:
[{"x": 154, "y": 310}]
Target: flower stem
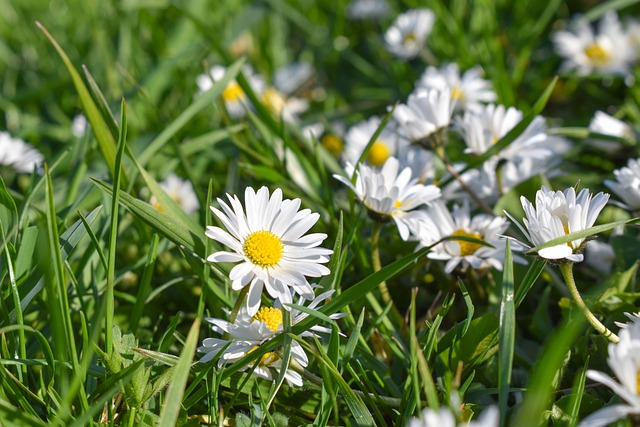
[
  {"x": 567, "y": 274},
  {"x": 375, "y": 263},
  {"x": 236, "y": 308}
]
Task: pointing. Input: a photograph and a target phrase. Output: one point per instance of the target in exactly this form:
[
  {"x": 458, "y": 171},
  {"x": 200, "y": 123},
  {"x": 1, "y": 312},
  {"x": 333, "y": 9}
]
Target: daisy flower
[
  {"x": 385, "y": 146},
  {"x": 469, "y": 90},
  {"x": 270, "y": 246},
  {"x": 79, "y": 125},
  {"x": 368, "y": 9},
  {"x": 408, "y": 34},
  {"x": 181, "y": 191},
  {"x": 607, "y": 51},
  {"x": 440, "y": 223},
  {"x": 279, "y": 98},
  {"x": 444, "y": 417},
  {"x": 19, "y": 155},
  {"x": 235, "y": 100},
  {"x": 391, "y": 194},
  {"x": 421, "y": 162},
  {"x": 605, "y": 124},
  {"x": 426, "y": 114},
  {"x": 556, "y": 214},
  {"x": 627, "y": 184},
  {"x": 624, "y": 361}
]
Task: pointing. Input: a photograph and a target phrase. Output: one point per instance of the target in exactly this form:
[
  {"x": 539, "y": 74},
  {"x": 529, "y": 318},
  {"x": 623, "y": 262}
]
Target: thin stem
[
  {"x": 567, "y": 273},
  {"x": 375, "y": 263},
  {"x": 236, "y": 308}
]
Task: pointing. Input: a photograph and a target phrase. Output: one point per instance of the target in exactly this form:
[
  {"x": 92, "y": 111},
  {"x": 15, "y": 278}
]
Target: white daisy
[
  {"x": 245, "y": 335},
  {"x": 79, "y": 126},
  {"x": 627, "y": 184},
  {"x": 20, "y": 156},
  {"x": 607, "y": 51},
  {"x": 469, "y": 90},
  {"x": 605, "y": 124},
  {"x": 444, "y": 417},
  {"x": 279, "y": 98},
  {"x": 624, "y": 361},
  {"x": 181, "y": 191},
  {"x": 440, "y": 223},
  {"x": 556, "y": 214},
  {"x": 270, "y": 244},
  {"x": 368, "y": 9},
  {"x": 422, "y": 163},
  {"x": 426, "y": 113},
  {"x": 235, "y": 99},
  {"x": 388, "y": 193},
  {"x": 385, "y": 146},
  {"x": 408, "y": 34}
]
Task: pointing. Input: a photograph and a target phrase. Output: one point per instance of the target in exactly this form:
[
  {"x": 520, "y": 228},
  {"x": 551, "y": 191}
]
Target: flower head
[
  {"x": 408, "y": 34},
  {"x": 270, "y": 246},
  {"x": 279, "y": 98},
  {"x": 558, "y": 213},
  {"x": 385, "y": 146},
  {"x": 605, "y": 124},
  {"x": 469, "y": 90},
  {"x": 440, "y": 223},
  {"x": 181, "y": 191},
  {"x": 627, "y": 184},
  {"x": 19, "y": 155},
  {"x": 368, "y": 9},
  {"x": 427, "y": 112},
  {"x": 607, "y": 51},
  {"x": 389, "y": 193},
  {"x": 624, "y": 361},
  {"x": 234, "y": 97},
  {"x": 444, "y": 417}
]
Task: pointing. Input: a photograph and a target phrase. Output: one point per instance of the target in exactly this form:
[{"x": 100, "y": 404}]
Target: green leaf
[{"x": 507, "y": 334}]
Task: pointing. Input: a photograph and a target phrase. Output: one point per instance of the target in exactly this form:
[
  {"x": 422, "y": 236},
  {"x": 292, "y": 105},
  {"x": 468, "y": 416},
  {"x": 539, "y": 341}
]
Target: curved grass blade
[{"x": 507, "y": 334}]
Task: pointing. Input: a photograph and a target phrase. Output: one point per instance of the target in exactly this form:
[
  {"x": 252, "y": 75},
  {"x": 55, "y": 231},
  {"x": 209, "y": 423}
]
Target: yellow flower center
[
  {"x": 397, "y": 204},
  {"x": 332, "y": 143},
  {"x": 267, "y": 359},
  {"x": 638, "y": 382},
  {"x": 467, "y": 248},
  {"x": 233, "y": 92},
  {"x": 378, "y": 154},
  {"x": 273, "y": 100},
  {"x": 597, "y": 54},
  {"x": 263, "y": 248},
  {"x": 271, "y": 316},
  {"x": 409, "y": 39},
  {"x": 457, "y": 93}
]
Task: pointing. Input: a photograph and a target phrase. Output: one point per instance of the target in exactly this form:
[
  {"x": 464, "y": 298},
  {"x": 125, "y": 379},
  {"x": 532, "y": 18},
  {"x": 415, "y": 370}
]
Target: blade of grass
[{"x": 507, "y": 334}]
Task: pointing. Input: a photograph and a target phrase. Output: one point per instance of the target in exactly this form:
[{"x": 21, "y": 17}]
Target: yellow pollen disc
[
  {"x": 273, "y": 100},
  {"x": 378, "y": 154},
  {"x": 566, "y": 231},
  {"x": 467, "y": 248},
  {"x": 397, "y": 204},
  {"x": 271, "y": 316},
  {"x": 597, "y": 54},
  {"x": 233, "y": 92},
  {"x": 156, "y": 204},
  {"x": 495, "y": 139},
  {"x": 267, "y": 359},
  {"x": 263, "y": 248},
  {"x": 638, "y": 382},
  {"x": 457, "y": 93},
  {"x": 332, "y": 143},
  {"x": 409, "y": 38}
]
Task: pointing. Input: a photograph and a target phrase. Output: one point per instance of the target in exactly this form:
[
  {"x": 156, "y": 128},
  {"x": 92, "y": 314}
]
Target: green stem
[
  {"x": 567, "y": 274},
  {"x": 236, "y": 308},
  {"x": 375, "y": 263}
]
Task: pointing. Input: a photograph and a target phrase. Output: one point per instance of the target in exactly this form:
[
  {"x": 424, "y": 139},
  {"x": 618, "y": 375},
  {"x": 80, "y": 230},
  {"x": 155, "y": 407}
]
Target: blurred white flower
[
  {"x": 79, "y": 126},
  {"x": 444, "y": 417},
  {"x": 409, "y": 32},
  {"x": 389, "y": 193},
  {"x": 469, "y": 90},
  {"x": 20, "y": 156},
  {"x": 627, "y": 184},
  {"x": 368, "y": 9},
  {"x": 440, "y": 223},
  {"x": 385, "y": 146},
  {"x": 235, "y": 99},
  {"x": 181, "y": 191},
  {"x": 426, "y": 113},
  {"x": 605, "y": 124},
  {"x": 624, "y": 361},
  {"x": 421, "y": 162},
  {"x": 600, "y": 255},
  {"x": 270, "y": 244},
  {"x": 556, "y": 214},
  {"x": 280, "y": 98},
  {"x": 607, "y": 51}
]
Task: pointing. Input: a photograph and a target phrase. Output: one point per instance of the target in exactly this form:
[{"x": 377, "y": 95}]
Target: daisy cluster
[{"x": 274, "y": 254}]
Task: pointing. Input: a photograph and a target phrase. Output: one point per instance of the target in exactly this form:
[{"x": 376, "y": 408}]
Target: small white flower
[
  {"x": 444, "y": 417},
  {"x": 440, "y": 223},
  {"x": 421, "y": 162},
  {"x": 426, "y": 112},
  {"x": 605, "y": 124},
  {"x": 181, "y": 191},
  {"x": 624, "y": 361},
  {"x": 235, "y": 99},
  {"x": 79, "y": 126},
  {"x": 408, "y": 34},
  {"x": 607, "y": 51},
  {"x": 388, "y": 193},
  {"x": 385, "y": 146},
  {"x": 556, "y": 214},
  {"x": 270, "y": 244},
  {"x": 19, "y": 155},
  {"x": 279, "y": 97},
  {"x": 368, "y": 9},
  {"x": 627, "y": 184},
  {"x": 469, "y": 90}
]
